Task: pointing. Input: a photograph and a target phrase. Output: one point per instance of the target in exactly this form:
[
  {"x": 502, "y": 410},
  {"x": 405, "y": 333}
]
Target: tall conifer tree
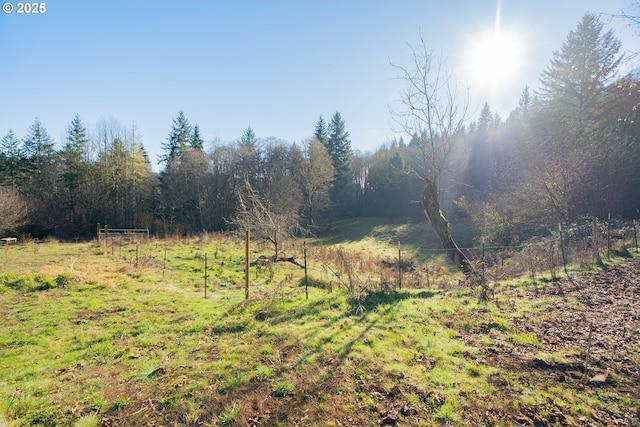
[
  {"x": 196, "y": 140},
  {"x": 339, "y": 148},
  {"x": 321, "y": 131},
  {"x": 180, "y": 138},
  {"x": 11, "y": 167}
]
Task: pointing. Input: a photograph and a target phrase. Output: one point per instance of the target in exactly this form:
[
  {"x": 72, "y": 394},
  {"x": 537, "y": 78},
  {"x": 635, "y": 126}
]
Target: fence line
[
  {"x": 105, "y": 232},
  {"x": 356, "y": 270}
]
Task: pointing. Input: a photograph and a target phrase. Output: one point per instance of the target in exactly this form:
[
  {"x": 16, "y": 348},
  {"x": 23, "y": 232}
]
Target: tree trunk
[{"x": 431, "y": 206}]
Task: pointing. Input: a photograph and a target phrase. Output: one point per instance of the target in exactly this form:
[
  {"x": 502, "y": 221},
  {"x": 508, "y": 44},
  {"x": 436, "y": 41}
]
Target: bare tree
[
  {"x": 316, "y": 177},
  {"x": 429, "y": 111},
  {"x": 13, "y": 211},
  {"x": 258, "y": 215}
]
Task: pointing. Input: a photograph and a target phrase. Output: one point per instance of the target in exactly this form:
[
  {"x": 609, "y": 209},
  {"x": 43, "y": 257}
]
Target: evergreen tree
[
  {"x": 74, "y": 152},
  {"x": 338, "y": 146},
  {"x": 75, "y": 199},
  {"x": 249, "y": 162},
  {"x": 388, "y": 189},
  {"x": 483, "y": 161},
  {"x": 38, "y": 145},
  {"x": 11, "y": 166},
  {"x": 38, "y": 148},
  {"x": 10, "y": 145},
  {"x": 321, "y": 131},
  {"x": 184, "y": 182},
  {"x": 196, "y": 140},
  {"x": 574, "y": 84},
  {"x": 525, "y": 103},
  {"x": 42, "y": 180},
  {"x": 484, "y": 121},
  {"x": 180, "y": 138},
  {"x": 570, "y": 125},
  {"x": 249, "y": 136}
]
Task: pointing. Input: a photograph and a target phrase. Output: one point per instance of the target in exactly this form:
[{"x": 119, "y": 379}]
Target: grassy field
[{"x": 124, "y": 336}]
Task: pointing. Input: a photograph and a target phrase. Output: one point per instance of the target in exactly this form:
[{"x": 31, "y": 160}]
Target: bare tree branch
[
  {"x": 13, "y": 211},
  {"x": 429, "y": 112},
  {"x": 258, "y": 216}
]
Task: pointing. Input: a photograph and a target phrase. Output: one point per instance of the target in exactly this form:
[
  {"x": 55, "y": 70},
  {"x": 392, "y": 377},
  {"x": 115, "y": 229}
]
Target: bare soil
[{"x": 593, "y": 322}]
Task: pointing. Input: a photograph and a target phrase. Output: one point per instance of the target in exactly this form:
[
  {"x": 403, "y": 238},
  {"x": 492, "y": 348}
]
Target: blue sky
[{"x": 273, "y": 65}]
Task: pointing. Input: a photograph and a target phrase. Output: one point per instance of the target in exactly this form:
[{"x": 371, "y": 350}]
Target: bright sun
[{"x": 495, "y": 59}]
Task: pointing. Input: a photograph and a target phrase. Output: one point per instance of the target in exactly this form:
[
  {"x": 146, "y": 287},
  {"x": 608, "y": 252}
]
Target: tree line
[
  {"x": 107, "y": 178},
  {"x": 568, "y": 150}
]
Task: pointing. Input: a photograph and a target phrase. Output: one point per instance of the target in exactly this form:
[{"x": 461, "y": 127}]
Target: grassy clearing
[{"x": 125, "y": 336}]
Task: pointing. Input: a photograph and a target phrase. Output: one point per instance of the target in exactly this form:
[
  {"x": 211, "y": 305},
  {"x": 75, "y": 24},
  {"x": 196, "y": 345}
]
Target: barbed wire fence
[{"x": 584, "y": 244}]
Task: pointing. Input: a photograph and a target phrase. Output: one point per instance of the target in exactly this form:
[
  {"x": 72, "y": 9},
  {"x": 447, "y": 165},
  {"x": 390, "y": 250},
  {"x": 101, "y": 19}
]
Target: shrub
[{"x": 63, "y": 280}]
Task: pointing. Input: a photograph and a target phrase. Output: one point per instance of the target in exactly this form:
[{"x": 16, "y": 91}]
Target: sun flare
[{"x": 495, "y": 58}]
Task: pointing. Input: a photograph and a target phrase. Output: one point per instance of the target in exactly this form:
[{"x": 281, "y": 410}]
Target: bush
[{"x": 63, "y": 280}]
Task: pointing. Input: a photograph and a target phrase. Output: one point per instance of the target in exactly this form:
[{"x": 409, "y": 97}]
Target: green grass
[
  {"x": 282, "y": 389},
  {"x": 524, "y": 338},
  {"x": 380, "y": 237},
  {"x": 135, "y": 342}
]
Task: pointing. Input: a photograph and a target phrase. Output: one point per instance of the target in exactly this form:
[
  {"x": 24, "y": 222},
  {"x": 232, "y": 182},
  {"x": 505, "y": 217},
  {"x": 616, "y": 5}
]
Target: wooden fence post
[
  {"x": 164, "y": 262},
  {"x": 246, "y": 266},
  {"x": 106, "y": 239},
  {"x": 399, "y": 267},
  {"x": 594, "y": 233},
  {"x": 483, "y": 263},
  {"x": 609, "y": 236},
  {"x": 306, "y": 279},
  {"x": 564, "y": 255}
]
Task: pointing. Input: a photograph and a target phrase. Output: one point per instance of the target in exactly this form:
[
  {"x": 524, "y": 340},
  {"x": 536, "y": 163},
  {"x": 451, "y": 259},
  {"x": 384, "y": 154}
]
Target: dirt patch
[
  {"x": 597, "y": 314},
  {"x": 587, "y": 326}
]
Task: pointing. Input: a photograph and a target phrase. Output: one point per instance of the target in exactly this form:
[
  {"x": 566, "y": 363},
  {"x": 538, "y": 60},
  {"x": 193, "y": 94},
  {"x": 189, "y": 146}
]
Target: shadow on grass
[
  {"x": 316, "y": 283},
  {"x": 376, "y": 305},
  {"x": 375, "y": 300},
  {"x": 335, "y": 334},
  {"x": 352, "y": 230}
]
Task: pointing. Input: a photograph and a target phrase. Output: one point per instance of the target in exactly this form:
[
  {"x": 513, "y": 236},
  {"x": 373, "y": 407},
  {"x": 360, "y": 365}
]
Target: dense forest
[{"x": 570, "y": 149}]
